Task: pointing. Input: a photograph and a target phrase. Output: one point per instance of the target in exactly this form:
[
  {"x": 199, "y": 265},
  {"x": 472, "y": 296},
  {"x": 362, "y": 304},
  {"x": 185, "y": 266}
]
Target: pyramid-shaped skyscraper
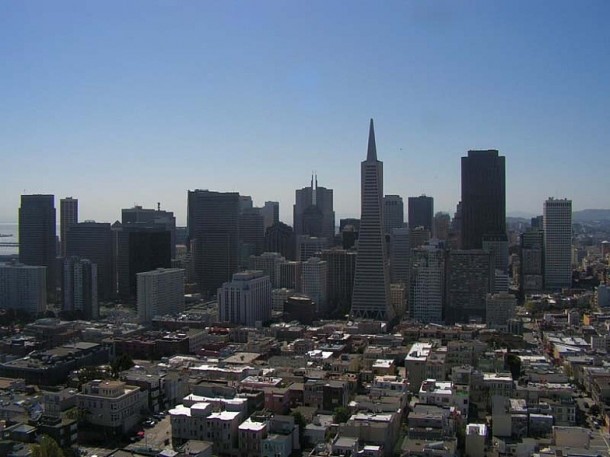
[{"x": 371, "y": 296}]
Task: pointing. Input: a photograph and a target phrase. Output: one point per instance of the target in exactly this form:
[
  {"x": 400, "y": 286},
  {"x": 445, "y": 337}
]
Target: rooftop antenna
[{"x": 158, "y": 206}]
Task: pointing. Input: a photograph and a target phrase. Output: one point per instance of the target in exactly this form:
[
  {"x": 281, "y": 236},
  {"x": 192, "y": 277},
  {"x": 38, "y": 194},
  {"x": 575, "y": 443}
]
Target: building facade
[
  {"x": 160, "y": 291},
  {"x": 557, "y": 221},
  {"x": 79, "y": 288},
  {"x": 371, "y": 296},
  {"x": 37, "y": 235},
  {"x": 246, "y": 299},
  {"x": 68, "y": 215},
  {"x": 23, "y": 287},
  {"x": 421, "y": 212}
]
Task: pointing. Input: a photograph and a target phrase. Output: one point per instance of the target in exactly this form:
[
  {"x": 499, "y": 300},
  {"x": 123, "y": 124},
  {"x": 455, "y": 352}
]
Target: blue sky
[{"x": 123, "y": 102}]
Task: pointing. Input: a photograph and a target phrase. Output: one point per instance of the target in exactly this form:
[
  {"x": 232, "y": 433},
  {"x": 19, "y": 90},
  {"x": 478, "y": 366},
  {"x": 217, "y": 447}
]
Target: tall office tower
[
  {"x": 497, "y": 246},
  {"x": 398, "y": 299},
  {"x": 246, "y": 299},
  {"x": 271, "y": 213},
  {"x": 310, "y": 246},
  {"x": 93, "y": 241},
  {"x": 68, "y": 215},
  {"x": 400, "y": 253},
  {"x": 419, "y": 236},
  {"x": 23, "y": 287},
  {"x": 500, "y": 309},
  {"x": 441, "y": 225},
  {"x": 160, "y": 291},
  {"x": 245, "y": 202},
  {"x": 165, "y": 219},
  {"x": 469, "y": 277},
  {"x": 251, "y": 235},
  {"x": 138, "y": 248},
  {"x": 349, "y": 236},
  {"x": 266, "y": 262},
  {"x": 426, "y": 284},
  {"x": 421, "y": 212},
  {"x": 278, "y": 297},
  {"x": 213, "y": 223},
  {"x": 37, "y": 233},
  {"x": 537, "y": 222},
  {"x": 313, "y": 211},
  {"x": 371, "y": 296},
  {"x": 455, "y": 229},
  {"x": 341, "y": 269},
  {"x": 79, "y": 288},
  {"x": 288, "y": 275},
  {"x": 483, "y": 197},
  {"x": 531, "y": 277},
  {"x": 315, "y": 283},
  {"x": 557, "y": 221},
  {"x": 280, "y": 238},
  {"x": 393, "y": 213}
]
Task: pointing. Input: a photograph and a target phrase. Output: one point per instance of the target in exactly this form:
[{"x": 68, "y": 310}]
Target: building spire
[{"x": 371, "y": 154}]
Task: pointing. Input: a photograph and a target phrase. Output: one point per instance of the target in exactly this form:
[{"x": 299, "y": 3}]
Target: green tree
[
  {"x": 299, "y": 420},
  {"x": 47, "y": 447},
  {"x": 121, "y": 363},
  {"x": 341, "y": 415},
  {"x": 513, "y": 363}
]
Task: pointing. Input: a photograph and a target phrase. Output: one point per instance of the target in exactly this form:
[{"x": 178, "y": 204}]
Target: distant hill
[{"x": 588, "y": 215}]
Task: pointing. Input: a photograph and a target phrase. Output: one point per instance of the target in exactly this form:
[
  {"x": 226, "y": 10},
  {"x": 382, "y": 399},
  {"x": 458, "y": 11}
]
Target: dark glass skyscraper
[
  {"x": 371, "y": 296},
  {"x": 213, "y": 227},
  {"x": 421, "y": 212},
  {"x": 37, "y": 235},
  {"x": 483, "y": 197},
  {"x": 313, "y": 211},
  {"x": 68, "y": 215}
]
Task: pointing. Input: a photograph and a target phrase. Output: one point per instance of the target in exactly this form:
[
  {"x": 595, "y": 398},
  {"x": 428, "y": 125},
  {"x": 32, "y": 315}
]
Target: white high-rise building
[
  {"x": 315, "y": 278},
  {"x": 426, "y": 280},
  {"x": 500, "y": 308},
  {"x": 23, "y": 287},
  {"x": 266, "y": 262},
  {"x": 246, "y": 299},
  {"x": 160, "y": 291},
  {"x": 557, "y": 224}
]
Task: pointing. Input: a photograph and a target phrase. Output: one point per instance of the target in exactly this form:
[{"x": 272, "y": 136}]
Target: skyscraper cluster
[{"x": 429, "y": 268}]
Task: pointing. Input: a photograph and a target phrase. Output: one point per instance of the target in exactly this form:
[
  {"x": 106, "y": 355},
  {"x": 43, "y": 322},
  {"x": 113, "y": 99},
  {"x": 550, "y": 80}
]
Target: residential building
[
  {"x": 23, "y": 287},
  {"x": 246, "y": 299},
  {"x": 499, "y": 309},
  {"x": 315, "y": 276},
  {"x": 426, "y": 279},
  {"x": 160, "y": 291},
  {"x": 79, "y": 288}
]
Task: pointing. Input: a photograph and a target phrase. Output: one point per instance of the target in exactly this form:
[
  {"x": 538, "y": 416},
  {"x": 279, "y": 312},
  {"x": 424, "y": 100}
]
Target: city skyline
[{"x": 121, "y": 104}]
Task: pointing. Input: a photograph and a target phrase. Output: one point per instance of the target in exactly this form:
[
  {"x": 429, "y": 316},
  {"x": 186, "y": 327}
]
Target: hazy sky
[{"x": 123, "y": 102}]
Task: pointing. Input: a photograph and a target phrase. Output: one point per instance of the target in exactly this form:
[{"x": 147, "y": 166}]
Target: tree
[
  {"x": 47, "y": 447},
  {"x": 121, "y": 363},
  {"x": 341, "y": 415},
  {"x": 513, "y": 362},
  {"x": 299, "y": 420},
  {"x": 594, "y": 410}
]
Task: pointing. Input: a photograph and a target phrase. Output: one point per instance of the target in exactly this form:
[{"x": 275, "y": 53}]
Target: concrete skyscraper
[
  {"x": 68, "y": 215},
  {"x": 37, "y": 235},
  {"x": 160, "y": 291},
  {"x": 313, "y": 211},
  {"x": 165, "y": 219},
  {"x": 213, "y": 227},
  {"x": 421, "y": 212},
  {"x": 79, "y": 288},
  {"x": 93, "y": 240},
  {"x": 393, "y": 213},
  {"x": 371, "y": 296},
  {"x": 483, "y": 198},
  {"x": 557, "y": 222}
]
